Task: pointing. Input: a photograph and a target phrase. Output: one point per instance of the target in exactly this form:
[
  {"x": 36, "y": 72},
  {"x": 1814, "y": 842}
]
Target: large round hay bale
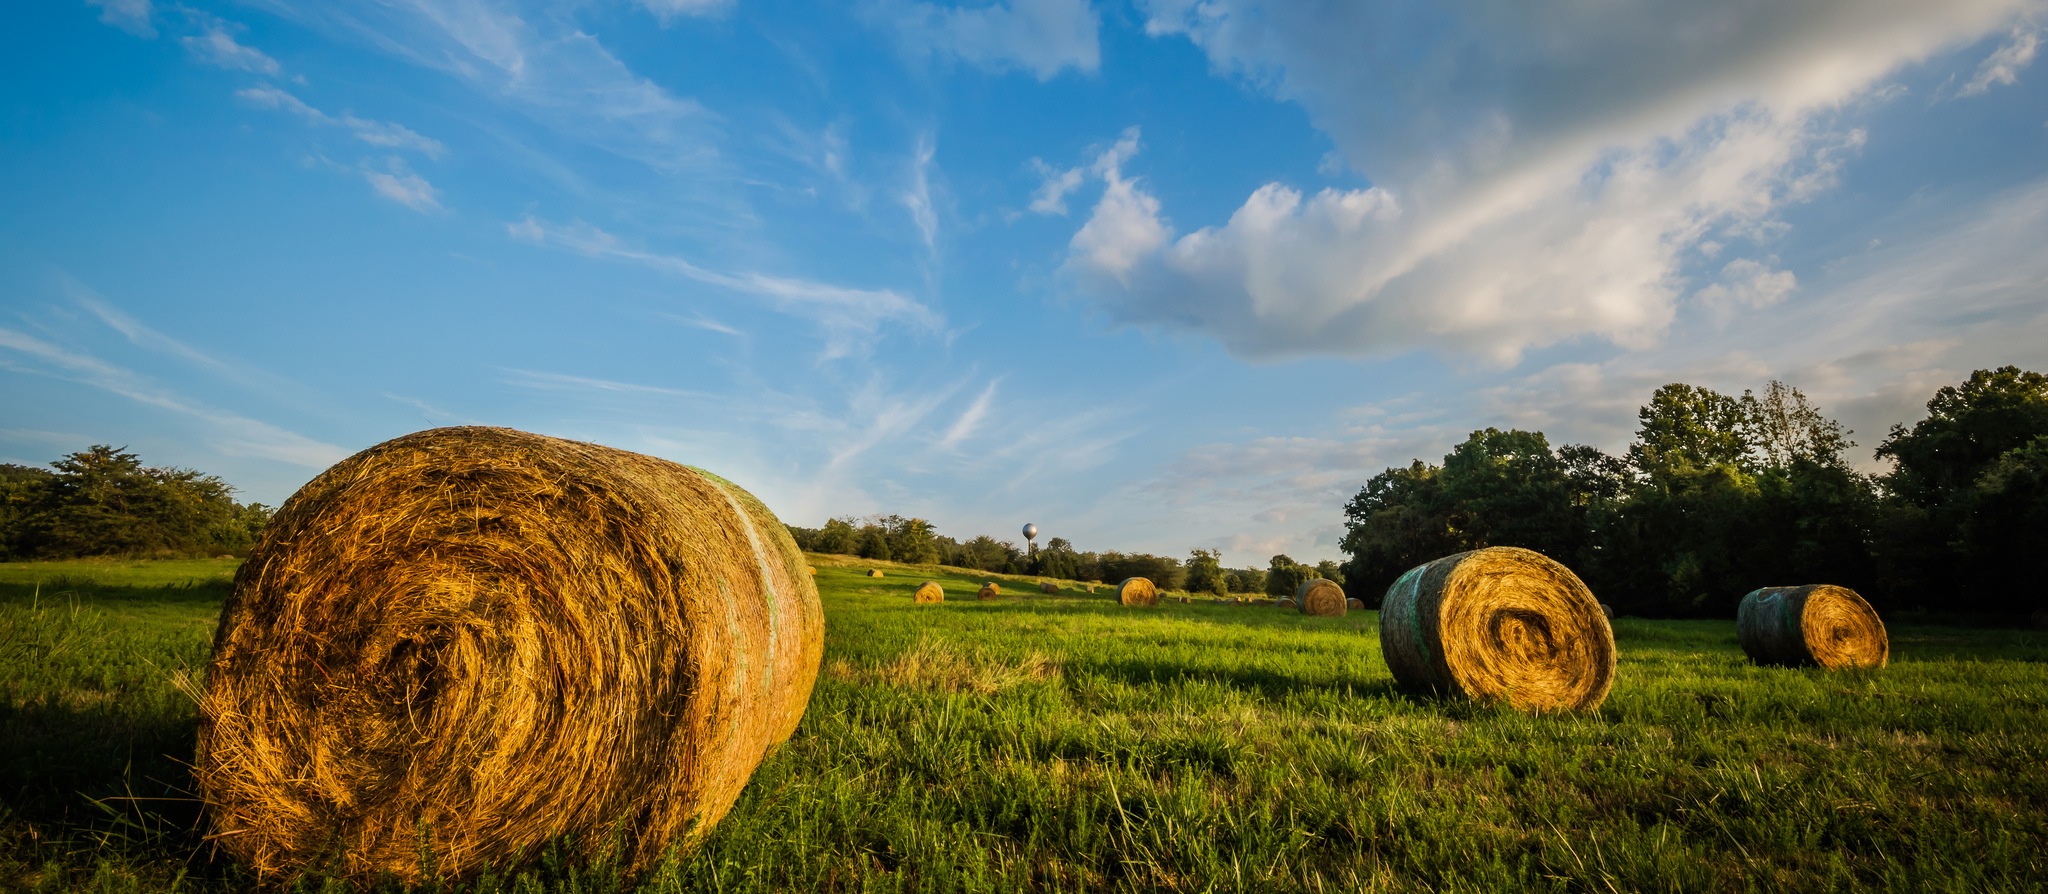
[
  {"x": 1500, "y": 623},
  {"x": 471, "y": 641},
  {"x": 874, "y": 572},
  {"x": 1137, "y": 591},
  {"x": 989, "y": 590},
  {"x": 1048, "y": 587},
  {"x": 1821, "y": 624},
  {"x": 929, "y": 592},
  {"x": 1320, "y": 597}
]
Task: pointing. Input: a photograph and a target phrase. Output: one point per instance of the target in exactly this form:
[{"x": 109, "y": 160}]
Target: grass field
[{"x": 1064, "y": 743}]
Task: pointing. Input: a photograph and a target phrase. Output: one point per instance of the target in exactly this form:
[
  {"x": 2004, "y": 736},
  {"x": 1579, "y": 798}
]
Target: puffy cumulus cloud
[
  {"x": 1042, "y": 37},
  {"x": 1540, "y": 172}
]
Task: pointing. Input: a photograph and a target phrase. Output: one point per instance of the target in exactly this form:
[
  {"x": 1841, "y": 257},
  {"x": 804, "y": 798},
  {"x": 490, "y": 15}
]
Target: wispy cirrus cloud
[
  {"x": 132, "y": 16},
  {"x": 2003, "y": 66},
  {"x": 235, "y": 434},
  {"x": 399, "y": 184},
  {"x": 215, "y": 45},
  {"x": 382, "y": 134},
  {"x": 841, "y": 310}
]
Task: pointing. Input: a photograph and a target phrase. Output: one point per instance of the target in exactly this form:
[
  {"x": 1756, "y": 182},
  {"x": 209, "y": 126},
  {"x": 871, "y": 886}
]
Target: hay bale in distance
[
  {"x": 989, "y": 590},
  {"x": 1354, "y": 604},
  {"x": 1607, "y": 611},
  {"x": 1048, "y": 587},
  {"x": 1500, "y": 623},
  {"x": 476, "y": 640},
  {"x": 874, "y": 572},
  {"x": 1820, "y": 625},
  {"x": 1137, "y": 591},
  {"x": 929, "y": 592},
  {"x": 1284, "y": 602},
  {"x": 1321, "y": 597}
]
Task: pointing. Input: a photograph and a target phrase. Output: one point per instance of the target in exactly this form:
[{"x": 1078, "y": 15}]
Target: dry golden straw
[
  {"x": 874, "y": 572},
  {"x": 1048, "y": 587},
  {"x": 989, "y": 590},
  {"x": 469, "y": 641},
  {"x": 1321, "y": 597},
  {"x": 1822, "y": 625},
  {"x": 1137, "y": 591},
  {"x": 930, "y": 591},
  {"x": 1500, "y": 623}
]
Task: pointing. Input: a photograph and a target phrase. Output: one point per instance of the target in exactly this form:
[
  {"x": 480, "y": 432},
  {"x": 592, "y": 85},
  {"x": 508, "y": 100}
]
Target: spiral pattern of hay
[
  {"x": 929, "y": 592},
  {"x": 1137, "y": 591},
  {"x": 1048, "y": 587},
  {"x": 469, "y": 641},
  {"x": 989, "y": 590},
  {"x": 1500, "y": 623},
  {"x": 1321, "y": 597},
  {"x": 1822, "y": 625}
]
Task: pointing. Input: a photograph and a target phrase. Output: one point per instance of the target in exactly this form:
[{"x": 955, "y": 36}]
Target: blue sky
[{"x": 1155, "y": 276}]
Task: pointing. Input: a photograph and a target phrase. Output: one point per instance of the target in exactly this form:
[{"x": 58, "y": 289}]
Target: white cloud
[
  {"x": 2004, "y": 64},
  {"x": 132, "y": 16},
  {"x": 1051, "y": 197},
  {"x": 1748, "y": 284},
  {"x": 215, "y": 46},
  {"x": 383, "y": 134},
  {"x": 844, "y": 312},
  {"x": 401, "y": 185},
  {"x": 1042, "y": 37},
  {"x": 918, "y": 198},
  {"x": 1541, "y": 173}
]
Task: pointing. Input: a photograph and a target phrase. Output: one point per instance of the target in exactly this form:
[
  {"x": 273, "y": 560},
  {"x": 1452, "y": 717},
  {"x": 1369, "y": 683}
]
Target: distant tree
[
  {"x": 23, "y": 491},
  {"x": 1058, "y": 559},
  {"x": 1284, "y": 575},
  {"x": 1397, "y": 521},
  {"x": 1246, "y": 580},
  {"x": 1687, "y": 430},
  {"x": 1330, "y": 571},
  {"x": 839, "y": 537},
  {"x": 104, "y": 501},
  {"x": 1968, "y": 427},
  {"x": 874, "y": 543},
  {"x": 1165, "y": 573},
  {"x": 911, "y": 540},
  {"x": 1782, "y": 428},
  {"x": 1205, "y": 572}
]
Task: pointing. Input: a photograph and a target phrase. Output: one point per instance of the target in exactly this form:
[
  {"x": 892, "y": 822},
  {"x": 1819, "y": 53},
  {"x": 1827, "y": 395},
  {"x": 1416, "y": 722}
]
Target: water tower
[{"x": 1030, "y": 540}]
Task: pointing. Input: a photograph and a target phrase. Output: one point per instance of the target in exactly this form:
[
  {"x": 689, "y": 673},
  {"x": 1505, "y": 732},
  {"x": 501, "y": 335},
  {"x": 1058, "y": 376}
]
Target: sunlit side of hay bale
[
  {"x": 929, "y": 592},
  {"x": 1819, "y": 625},
  {"x": 989, "y": 590},
  {"x": 1500, "y": 623},
  {"x": 1320, "y": 597},
  {"x": 1137, "y": 591},
  {"x": 874, "y": 572},
  {"x": 470, "y": 641},
  {"x": 1048, "y": 587}
]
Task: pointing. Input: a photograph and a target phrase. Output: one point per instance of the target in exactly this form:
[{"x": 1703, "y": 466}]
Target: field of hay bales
[{"x": 1064, "y": 742}]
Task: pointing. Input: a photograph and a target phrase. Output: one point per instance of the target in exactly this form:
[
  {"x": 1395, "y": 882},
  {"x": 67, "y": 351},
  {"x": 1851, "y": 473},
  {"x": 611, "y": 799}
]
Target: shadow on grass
[
  {"x": 1255, "y": 680},
  {"x": 58, "y": 591}
]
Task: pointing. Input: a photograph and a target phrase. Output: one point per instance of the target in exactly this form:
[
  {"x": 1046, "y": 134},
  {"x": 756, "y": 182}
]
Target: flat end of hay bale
[
  {"x": 929, "y": 592},
  {"x": 1321, "y": 597},
  {"x": 989, "y": 590},
  {"x": 1137, "y": 591},
  {"x": 1819, "y": 625},
  {"x": 1498, "y": 624},
  {"x": 874, "y": 572}
]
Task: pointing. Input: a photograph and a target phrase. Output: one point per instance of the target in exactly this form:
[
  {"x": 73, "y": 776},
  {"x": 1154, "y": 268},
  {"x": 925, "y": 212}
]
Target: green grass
[{"x": 1064, "y": 743}]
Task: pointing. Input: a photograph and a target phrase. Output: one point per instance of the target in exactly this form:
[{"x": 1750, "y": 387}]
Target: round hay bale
[
  {"x": 1186, "y": 599},
  {"x": 1284, "y": 602},
  {"x": 470, "y": 641},
  {"x": 989, "y": 590},
  {"x": 1607, "y": 611},
  {"x": 1819, "y": 625},
  {"x": 1322, "y": 598},
  {"x": 1498, "y": 623},
  {"x": 929, "y": 592},
  {"x": 1354, "y": 604},
  {"x": 813, "y": 572},
  {"x": 1137, "y": 591},
  {"x": 1048, "y": 587},
  {"x": 874, "y": 572}
]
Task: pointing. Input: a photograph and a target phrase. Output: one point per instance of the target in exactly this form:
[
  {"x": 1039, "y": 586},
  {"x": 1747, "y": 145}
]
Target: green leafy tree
[
  {"x": 1968, "y": 427},
  {"x": 839, "y": 537},
  {"x": 1058, "y": 559},
  {"x": 1397, "y": 521},
  {"x": 874, "y": 543},
  {"x": 1205, "y": 572},
  {"x": 911, "y": 540},
  {"x": 1687, "y": 430},
  {"x": 1329, "y": 570},
  {"x": 1284, "y": 575},
  {"x": 1247, "y": 580}
]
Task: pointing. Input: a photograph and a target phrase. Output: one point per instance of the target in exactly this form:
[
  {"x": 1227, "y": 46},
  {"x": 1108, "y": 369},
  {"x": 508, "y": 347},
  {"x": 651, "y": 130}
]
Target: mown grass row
[{"x": 1065, "y": 743}]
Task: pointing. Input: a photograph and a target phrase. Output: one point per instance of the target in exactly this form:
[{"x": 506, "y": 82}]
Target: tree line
[
  {"x": 915, "y": 541},
  {"x": 1719, "y": 494},
  {"x": 103, "y": 501}
]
